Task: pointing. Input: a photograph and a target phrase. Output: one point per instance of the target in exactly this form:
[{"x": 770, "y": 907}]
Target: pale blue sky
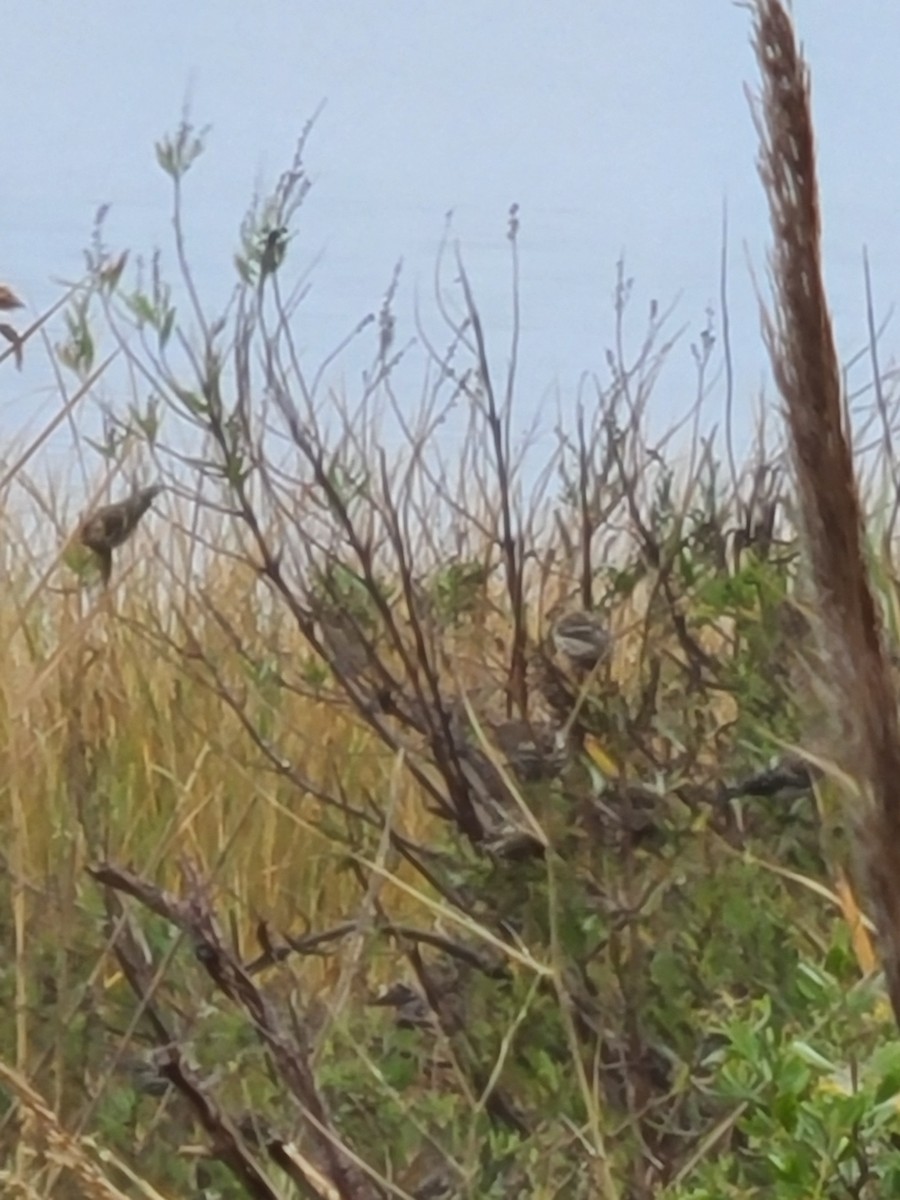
[{"x": 616, "y": 125}]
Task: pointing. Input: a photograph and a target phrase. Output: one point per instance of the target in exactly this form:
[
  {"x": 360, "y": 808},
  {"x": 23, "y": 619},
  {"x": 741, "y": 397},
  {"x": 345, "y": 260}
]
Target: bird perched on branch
[
  {"x": 109, "y": 527},
  {"x": 8, "y": 298},
  {"x": 8, "y": 301},
  {"x": 787, "y": 779},
  {"x": 531, "y": 749},
  {"x": 145, "y": 1074},
  {"x": 411, "y": 1009},
  {"x": 583, "y": 638}
]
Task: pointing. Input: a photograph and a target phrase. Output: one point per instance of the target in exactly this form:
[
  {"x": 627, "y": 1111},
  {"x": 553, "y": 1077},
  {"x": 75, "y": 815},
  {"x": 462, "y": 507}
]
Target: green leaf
[{"x": 812, "y": 1056}]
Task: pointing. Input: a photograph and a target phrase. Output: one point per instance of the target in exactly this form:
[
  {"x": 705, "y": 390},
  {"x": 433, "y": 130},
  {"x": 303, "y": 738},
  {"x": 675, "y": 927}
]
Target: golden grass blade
[{"x": 857, "y": 924}]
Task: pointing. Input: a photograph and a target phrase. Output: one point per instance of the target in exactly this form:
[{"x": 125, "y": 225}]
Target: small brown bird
[
  {"x": 530, "y": 749},
  {"x": 786, "y": 779},
  {"x": 111, "y": 526},
  {"x": 412, "y": 1008},
  {"x": 583, "y": 638},
  {"x": 9, "y": 299}
]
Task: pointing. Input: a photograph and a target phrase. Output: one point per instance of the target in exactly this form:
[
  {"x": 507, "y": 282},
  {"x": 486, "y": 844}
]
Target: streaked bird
[
  {"x": 438, "y": 1184},
  {"x": 107, "y": 528},
  {"x": 9, "y": 299},
  {"x": 787, "y": 779},
  {"x": 531, "y": 749},
  {"x": 145, "y": 1075},
  {"x": 347, "y": 643},
  {"x": 273, "y": 251},
  {"x": 412, "y": 1010},
  {"x": 583, "y": 638}
]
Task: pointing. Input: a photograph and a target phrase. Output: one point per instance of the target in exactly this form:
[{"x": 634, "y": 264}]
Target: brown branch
[{"x": 194, "y": 914}]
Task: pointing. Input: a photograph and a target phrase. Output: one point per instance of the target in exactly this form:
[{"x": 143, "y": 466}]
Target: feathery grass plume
[
  {"x": 107, "y": 528},
  {"x": 806, "y": 368}
]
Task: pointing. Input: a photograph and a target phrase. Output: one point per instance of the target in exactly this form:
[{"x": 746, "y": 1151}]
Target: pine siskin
[
  {"x": 789, "y": 778},
  {"x": 530, "y": 749},
  {"x": 8, "y": 298},
  {"x": 583, "y": 638},
  {"x": 111, "y": 526},
  {"x": 145, "y": 1075},
  {"x": 412, "y": 1010},
  {"x": 8, "y": 301}
]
